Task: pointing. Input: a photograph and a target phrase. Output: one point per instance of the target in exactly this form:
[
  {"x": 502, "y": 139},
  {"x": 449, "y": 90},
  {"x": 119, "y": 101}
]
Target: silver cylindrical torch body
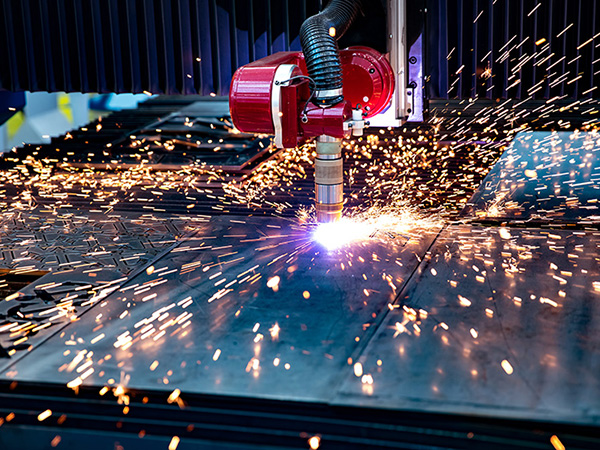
[{"x": 329, "y": 179}]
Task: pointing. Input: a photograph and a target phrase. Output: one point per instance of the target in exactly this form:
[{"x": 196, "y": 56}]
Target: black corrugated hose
[{"x": 318, "y": 37}]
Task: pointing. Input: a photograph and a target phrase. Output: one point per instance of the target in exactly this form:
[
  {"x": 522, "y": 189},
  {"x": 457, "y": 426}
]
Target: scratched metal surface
[
  {"x": 487, "y": 295},
  {"x": 210, "y": 317}
]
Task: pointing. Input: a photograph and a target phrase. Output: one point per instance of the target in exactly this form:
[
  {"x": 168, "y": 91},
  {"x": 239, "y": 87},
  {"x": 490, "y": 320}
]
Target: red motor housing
[
  {"x": 250, "y": 91},
  {"x": 270, "y": 95}
]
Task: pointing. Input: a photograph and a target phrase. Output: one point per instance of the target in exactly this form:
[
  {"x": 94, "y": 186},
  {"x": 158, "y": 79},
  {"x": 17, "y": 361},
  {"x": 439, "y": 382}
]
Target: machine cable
[
  {"x": 318, "y": 38},
  {"x": 312, "y": 85}
]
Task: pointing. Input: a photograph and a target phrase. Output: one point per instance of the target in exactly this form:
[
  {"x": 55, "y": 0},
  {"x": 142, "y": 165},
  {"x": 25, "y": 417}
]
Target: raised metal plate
[
  {"x": 543, "y": 176},
  {"x": 526, "y": 296}
]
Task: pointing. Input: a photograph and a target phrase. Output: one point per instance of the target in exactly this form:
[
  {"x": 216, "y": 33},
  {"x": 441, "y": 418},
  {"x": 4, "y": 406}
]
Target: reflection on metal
[
  {"x": 329, "y": 179},
  {"x": 71, "y": 263},
  {"x": 548, "y": 177},
  {"x": 25, "y": 314},
  {"x": 169, "y": 297},
  {"x": 13, "y": 282},
  {"x": 254, "y": 307},
  {"x": 407, "y": 63},
  {"x": 500, "y": 322}
]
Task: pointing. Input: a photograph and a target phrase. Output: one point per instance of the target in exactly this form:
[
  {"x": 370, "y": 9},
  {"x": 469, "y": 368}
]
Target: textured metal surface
[
  {"x": 236, "y": 332},
  {"x": 84, "y": 257},
  {"x": 183, "y": 139},
  {"x": 442, "y": 173},
  {"x": 481, "y": 336},
  {"x": 42, "y": 239},
  {"x": 529, "y": 297}
]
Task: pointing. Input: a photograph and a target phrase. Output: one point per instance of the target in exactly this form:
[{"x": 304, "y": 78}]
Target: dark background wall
[
  {"x": 466, "y": 37},
  {"x": 193, "y": 46},
  {"x": 161, "y": 46}
]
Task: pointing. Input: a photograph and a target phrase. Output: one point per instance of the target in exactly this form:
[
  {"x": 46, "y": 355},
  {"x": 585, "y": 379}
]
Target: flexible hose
[{"x": 318, "y": 38}]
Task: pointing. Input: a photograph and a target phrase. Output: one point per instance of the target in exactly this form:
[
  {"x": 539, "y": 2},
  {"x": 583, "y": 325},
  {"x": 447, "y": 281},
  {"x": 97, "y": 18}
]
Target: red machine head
[
  {"x": 368, "y": 79},
  {"x": 271, "y": 96}
]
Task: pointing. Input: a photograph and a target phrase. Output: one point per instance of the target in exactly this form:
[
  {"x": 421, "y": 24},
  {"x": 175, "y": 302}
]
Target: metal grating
[
  {"x": 523, "y": 45},
  {"x": 160, "y": 46}
]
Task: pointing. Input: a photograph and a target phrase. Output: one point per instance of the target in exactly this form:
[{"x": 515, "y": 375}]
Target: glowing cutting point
[
  {"x": 390, "y": 225},
  {"x": 333, "y": 235}
]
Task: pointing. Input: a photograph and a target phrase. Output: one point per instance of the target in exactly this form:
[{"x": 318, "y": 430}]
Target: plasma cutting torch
[{"x": 321, "y": 93}]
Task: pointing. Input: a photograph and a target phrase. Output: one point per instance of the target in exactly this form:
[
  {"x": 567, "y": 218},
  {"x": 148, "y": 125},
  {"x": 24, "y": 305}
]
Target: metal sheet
[
  {"x": 499, "y": 322},
  {"x": 84, "y": 257},
  {"x": 209, "y": 317},
  {"x": 543, "y": 176}
]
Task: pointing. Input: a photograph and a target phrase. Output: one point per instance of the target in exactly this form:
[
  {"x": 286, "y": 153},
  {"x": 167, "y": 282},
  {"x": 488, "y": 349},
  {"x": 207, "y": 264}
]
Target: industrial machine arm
[{"x": 321, "y": 93}]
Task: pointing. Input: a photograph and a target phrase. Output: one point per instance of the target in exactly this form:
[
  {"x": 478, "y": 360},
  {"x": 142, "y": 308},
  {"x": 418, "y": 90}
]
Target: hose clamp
[{"x": 327, "y": 93}]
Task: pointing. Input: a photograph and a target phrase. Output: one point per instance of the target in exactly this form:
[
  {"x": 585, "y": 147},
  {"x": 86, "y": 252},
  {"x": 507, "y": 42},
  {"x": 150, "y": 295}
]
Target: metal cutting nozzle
[{"x": 329, "y": 179}]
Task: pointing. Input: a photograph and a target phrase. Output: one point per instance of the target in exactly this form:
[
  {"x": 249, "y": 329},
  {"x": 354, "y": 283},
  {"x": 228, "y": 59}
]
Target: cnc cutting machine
[
  {"x": 321, "y": 93},
  {"x": 277, "y": 95},
  {"x": 149, "y": 297}
]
